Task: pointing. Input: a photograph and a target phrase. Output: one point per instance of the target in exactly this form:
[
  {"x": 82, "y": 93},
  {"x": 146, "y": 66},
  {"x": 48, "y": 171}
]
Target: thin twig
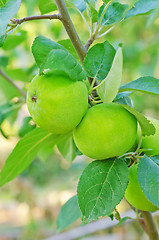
[
  {"x": 106, "y": 32},
  {"x": 101, "y": 18},
  {"x": 13, "y": 83},
  {"x": 85, "y": 21},
  {"x": 70, "y": 29},
  {"x": 26, "y": 19}
]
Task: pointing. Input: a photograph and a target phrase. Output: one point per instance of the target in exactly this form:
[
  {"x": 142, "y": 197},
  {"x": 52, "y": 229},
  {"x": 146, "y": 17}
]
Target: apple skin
[
  {"x": 134, "y": 194},
  {"x": 107, "y": 130},
  {"x": 151, "y": 142},
  {"x": 56, "y": 103}
]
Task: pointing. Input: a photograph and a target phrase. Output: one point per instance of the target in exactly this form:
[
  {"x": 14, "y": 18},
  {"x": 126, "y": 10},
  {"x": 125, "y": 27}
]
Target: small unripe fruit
[
  {"x": 134, "y": 194},
  {"x": 151, "y": 142},
  {"x": 107, "y": 130},
  {"x": 56, "y": 103}
]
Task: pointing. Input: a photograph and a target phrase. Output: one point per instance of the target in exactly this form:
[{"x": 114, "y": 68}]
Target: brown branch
[
  {"x": 26, "y": 19},
  {"x": 89, "y": 42},
  {"x": 70, "y": 29},
  {"x": 12, "y": 83},
  {"x": 147, "y": 223},
  {"x": 150, "y": 225}
]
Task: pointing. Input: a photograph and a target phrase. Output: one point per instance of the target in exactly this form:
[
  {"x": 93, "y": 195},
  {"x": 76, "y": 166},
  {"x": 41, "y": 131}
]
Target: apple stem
[{"x": 150, "y": 226}]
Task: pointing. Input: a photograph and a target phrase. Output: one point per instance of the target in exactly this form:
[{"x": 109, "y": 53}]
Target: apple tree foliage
[{"x": 103, "y": 183}]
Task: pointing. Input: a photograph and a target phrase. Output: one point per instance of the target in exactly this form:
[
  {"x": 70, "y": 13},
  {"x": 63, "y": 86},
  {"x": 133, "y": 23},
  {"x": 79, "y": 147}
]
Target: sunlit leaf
[
  {"x": 109, "y": 87},
  {"x": 145, "y": 84},
  {"x": 69, "y": 213},
  {"x": 99, "y": 60},
  {"x": 148, "y": 177},
  {"x": 146, "y": 126},
  {"x": 101, "y": 187},
  {"x": 24, "y": 153},
  {"x": 7, "y": 12}
]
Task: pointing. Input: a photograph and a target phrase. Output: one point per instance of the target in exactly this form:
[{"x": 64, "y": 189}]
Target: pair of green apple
[{"x": 60, "y": 105}]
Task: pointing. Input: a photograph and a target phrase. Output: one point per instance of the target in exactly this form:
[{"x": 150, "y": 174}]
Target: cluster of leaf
[
  {"x": 102, "y": 184},
  {"x": 114, "y": 13}
]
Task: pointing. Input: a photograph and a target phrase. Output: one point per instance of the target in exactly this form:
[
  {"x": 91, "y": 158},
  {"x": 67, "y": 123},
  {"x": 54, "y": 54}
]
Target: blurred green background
[{"x": 30, "y": 204}]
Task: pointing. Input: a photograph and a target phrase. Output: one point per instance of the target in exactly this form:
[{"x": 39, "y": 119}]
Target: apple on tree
[
  {"x": 134, "y": 194},
  {"x": 107, "y": 130},
  {"x": 57, "y": 103},
  {"x": 150, "y": 144}
]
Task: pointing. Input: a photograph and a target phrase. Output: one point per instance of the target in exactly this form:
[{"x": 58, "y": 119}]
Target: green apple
[
  {"x": 134, "y": 194},
  {"x": 107, "y": 130},
  {"x": 56, "y": 103},
  {"x": 151, "y": 142}
]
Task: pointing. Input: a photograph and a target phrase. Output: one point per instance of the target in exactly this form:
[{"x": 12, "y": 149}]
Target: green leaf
[
  {"x": 17, "y": 74},
  {"x": 113, "y": 14},
  {"x": 93, "y": 14},
  {"x": 131, "y": 3},
  {"x": 7, "y": 90},
  {"x": 101, "y": 187},
  {"x": 144, "y": 84},
  {"x": 24, "y": 153},
  {"x": 26, "y": 126},
  {"x": 59, "y": 59},
  {"x": 148, "y": 177},
  {"x": 69, "y": 213},
  {"x": 91, "y": 10},
  {"x": 122, "y": 94},
  {"x": 155, "y": 159},
  {"x": 3, "y": 2},
  {"x": 106, "y": 1},
  {"x": 79, "y": 4},
  {"x": 125, "y": 100},
  {"x": 109, "y": 87},
  {"x": 41, "y": 47},
  {"x": 4, "y": 61},
  {"x": 99, "y": 59},
  {"x": 146, "y": 126},
  {"x": 49, "y": 54},
  {"x": 2, "y": 40},
  {"x": 67, "y": 44},
  {"x": 153, "y": 16},
  {"x": 123, "y": 220},
  {"x": 142, "y": 7},
  {"x": 7, "y": 109},
  {"x": 68, "y": 149},
  {"x": 6, "y": 13},
  {"x": 91, "y": 2},
  {"x": 47, "y": 6},
  {"x": 13, "y": 41}
]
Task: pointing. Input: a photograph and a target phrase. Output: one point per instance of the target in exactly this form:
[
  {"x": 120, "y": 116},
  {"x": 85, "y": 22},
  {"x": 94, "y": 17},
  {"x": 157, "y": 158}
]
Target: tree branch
[
  {"x": 66, "y": 20},
  {"x": 12, "y": 83},
  {"x": 26, "y": 19},
  {"x": 150, "y": 225},
  {"x": 89, "y": 42}
]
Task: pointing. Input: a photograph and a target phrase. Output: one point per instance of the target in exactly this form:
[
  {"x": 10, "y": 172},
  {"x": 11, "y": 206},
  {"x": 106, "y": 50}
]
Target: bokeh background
[{"x": 30, "y": 204}]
